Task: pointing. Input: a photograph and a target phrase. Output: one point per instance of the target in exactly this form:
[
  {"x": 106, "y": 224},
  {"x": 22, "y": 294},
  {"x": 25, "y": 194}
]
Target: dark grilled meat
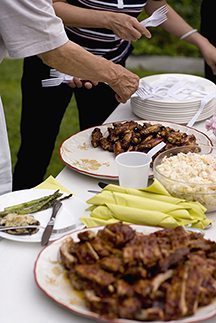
[
  {"x": 131, "y": 136},
  {"x": 166, "y": 275},
  {"x": 106, "y": 144},
  {"x": 96, "y": 137}
]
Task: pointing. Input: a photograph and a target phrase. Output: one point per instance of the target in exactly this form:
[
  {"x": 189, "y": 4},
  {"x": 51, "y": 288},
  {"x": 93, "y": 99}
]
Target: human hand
[
  {"x": 126, "y": 27},
  {"x": 76, "y": 82},
  {"x": 125, "y": 84},
  {"x": 209, "y": 55}
]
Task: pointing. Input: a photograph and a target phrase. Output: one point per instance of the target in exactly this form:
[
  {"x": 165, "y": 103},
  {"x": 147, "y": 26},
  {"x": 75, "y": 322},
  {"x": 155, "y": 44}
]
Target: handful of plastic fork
[
  {"x": 157, "y": 18},
  {"x": 57, "y": 79}
]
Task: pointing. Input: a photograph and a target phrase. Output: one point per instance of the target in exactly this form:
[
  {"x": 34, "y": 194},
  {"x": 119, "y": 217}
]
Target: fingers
[
  {"x": 75, "y": 82},
  {"x": 119, "y": 99},
  {"x": 213, "y": 67},
  {"x": 78, "y": 83},
  {"x": 128, "y": 28},
  {"x": 142, "y": 30},
  {"x": 137, "y": 34}
]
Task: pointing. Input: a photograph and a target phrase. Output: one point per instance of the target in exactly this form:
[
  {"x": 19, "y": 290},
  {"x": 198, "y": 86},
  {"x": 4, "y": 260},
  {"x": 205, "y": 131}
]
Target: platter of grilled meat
[
  {"x": 121, "y": 273},
  {"x": 92, "y": 151}
]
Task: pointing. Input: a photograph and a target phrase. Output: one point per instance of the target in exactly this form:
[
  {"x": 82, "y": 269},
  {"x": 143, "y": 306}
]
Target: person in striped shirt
[{"x": 105, "y": 28}]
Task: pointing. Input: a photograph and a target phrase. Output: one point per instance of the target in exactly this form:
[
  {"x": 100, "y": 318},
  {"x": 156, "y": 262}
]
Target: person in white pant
[{"x": 5, "y": 158}]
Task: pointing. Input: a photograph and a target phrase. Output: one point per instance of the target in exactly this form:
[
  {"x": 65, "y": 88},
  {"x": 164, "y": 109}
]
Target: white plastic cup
[{"x": 133, "y": 169}]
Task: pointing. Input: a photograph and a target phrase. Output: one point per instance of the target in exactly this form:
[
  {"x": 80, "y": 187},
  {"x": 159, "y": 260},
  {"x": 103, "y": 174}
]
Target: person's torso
[{"x": 100, "y": 41}]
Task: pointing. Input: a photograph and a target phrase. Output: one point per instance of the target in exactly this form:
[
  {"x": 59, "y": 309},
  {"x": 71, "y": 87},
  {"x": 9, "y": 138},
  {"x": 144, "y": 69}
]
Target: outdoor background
[{"x": 160, "y": 44}]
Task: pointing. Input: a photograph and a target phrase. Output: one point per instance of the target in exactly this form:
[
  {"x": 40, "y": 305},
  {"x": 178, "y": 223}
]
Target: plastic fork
[
  {"x": 157, "y": 18},
  {"x": 143, "y": 93},
  {"x": 56, "y": 81},
  {"x": 55, "y": 73}
]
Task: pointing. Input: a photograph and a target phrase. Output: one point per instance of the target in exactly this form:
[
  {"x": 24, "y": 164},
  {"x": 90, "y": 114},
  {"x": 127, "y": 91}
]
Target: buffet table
[{"x": 21, "y": 300}]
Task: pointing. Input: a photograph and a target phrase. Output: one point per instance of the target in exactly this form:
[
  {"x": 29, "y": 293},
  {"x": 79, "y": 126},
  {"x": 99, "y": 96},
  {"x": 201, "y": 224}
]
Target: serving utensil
[{"x": 56, "y": 231}]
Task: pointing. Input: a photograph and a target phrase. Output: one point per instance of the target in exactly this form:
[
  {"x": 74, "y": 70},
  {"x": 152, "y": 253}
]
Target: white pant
[{"x": 5, "y": 158}]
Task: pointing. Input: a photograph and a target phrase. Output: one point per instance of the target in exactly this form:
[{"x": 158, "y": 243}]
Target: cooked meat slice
[
  {"x": 86, "y": 253},
  {"x": 105, "y": 306},
  {"x": 120, "y": 128},
  {"x": 94, "y": 274},
  {"x": 123, "y": 288},
  {"x": 136, "y": 138},
  {"x": 143, "y": 287},
  {"x": 207, "y": 291},
  {"x": 86, "y": 235},
  {"x": 151, "y": 129},
  {"x": 113, "y": 137},
  {"x": 150, "y": 314},
  {"x": 126, "y": 139},
  {"x": 67, "y": 248},
  {"x": 118, "y": 148},
  {"x": 131, "y": 148},
  {"x": 176, "y": 137},
  {"x": 129, "y": 307},
  {"x": 148, "y": 144},
  {"x": 164, "y": 132},
  {"x": 106, "y": 144},
  {"x": 147, "y": 138},
  {"x": 190, "y": 140},
  {"x": 76, "y": 282},
  {"x": 144, "y": 250},
  {"x": 96, "y": 137},
  {"x": 102, "y": 248},
  {"x": 117, "y": 233},
  {"x": 135, "y": 272},
  {"x": 173, "y": 258},
  {"x": 160, "y": 278},
  {"x": 112, "y": 264}
]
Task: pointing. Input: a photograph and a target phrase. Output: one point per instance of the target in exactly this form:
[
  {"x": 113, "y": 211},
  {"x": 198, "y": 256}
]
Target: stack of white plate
[{"x": 174, "y": 98}]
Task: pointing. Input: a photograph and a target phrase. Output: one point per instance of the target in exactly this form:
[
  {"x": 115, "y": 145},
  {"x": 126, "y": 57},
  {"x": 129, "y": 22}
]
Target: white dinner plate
[
  {"x": 203, "y": 84},
  {"x": 69, "y": 213},
  {"x": 78, "y": 153},
  {"x": 51, "y": 279}
]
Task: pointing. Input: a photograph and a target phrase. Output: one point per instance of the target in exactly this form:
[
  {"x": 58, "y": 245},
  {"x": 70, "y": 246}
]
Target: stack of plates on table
[{"x": 174, "y": 98}]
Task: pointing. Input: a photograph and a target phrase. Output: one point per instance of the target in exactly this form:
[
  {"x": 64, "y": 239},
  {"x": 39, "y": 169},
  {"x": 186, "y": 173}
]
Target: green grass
[{"x": 10, "y": 76}]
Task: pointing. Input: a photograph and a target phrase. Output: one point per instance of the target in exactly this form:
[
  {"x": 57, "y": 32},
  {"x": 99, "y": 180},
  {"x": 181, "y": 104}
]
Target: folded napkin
[
  {"x": 149, "y": 206},
  {"x": 52, "y": 184}
]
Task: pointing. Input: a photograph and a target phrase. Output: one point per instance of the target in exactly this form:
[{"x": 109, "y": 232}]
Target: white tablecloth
[{"x": 21, "y": 301}]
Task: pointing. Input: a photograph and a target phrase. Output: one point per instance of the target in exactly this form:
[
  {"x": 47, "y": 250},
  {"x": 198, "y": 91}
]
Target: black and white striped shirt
[{"x": 100, "y": 41}]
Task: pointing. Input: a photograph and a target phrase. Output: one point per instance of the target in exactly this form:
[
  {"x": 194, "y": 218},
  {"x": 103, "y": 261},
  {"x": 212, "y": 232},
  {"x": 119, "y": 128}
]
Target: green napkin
[{"x": 149, "y": 206}]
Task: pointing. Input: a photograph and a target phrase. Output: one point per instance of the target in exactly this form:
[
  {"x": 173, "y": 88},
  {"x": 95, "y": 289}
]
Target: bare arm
[
  {"x": 123, "y": 25},
  {"x": 74, "y": 60},
  {"x": 177, "y": 26}
]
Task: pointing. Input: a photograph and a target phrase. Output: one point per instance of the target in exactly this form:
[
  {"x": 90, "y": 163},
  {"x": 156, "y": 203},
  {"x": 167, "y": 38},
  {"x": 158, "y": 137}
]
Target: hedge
[{"x": 162, "y": 43}]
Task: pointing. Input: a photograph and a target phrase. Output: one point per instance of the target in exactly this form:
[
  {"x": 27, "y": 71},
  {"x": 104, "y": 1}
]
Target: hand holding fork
[{"x": 58, "y": 78}]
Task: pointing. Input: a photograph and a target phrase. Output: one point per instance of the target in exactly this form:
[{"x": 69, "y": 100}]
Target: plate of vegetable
[{"x": 33, "y": 207}]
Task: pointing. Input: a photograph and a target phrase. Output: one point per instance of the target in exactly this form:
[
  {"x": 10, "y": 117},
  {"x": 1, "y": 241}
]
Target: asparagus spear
[{"x": 32, "y": 206}]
